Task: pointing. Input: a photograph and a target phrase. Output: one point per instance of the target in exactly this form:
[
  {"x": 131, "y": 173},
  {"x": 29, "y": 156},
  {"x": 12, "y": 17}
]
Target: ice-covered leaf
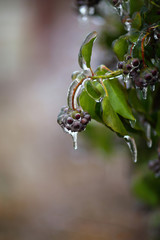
[
  {"x": 92, "y": 90},
  {"x": 84, "y": 57},
  {"x": 136, "y": 21},
  {"x": 90, "y": 105},
  {"x": 120, "y": 47},
  {"x": 111, "y": 119},
  {"x": 118, "y": 100}
]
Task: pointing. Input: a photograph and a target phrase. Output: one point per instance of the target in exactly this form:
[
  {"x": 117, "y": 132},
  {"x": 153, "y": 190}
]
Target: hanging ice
[
  {"x": 132, "y": 146},
  {"x": 74, "y": 137},
  {"x": 148, "y": 134},
  {"x": 144, "y": 92},
  {"x": 153, "y": 88}
]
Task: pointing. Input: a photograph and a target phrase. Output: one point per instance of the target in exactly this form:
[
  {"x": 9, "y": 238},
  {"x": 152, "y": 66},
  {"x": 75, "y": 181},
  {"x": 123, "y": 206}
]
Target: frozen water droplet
[
  {"x": 132, "y": 146},
  {"x": 152, "y": 87},
  {"x": 119, "y": 9},
  {"x": 86, "y": 11},
  {"x": 127, "y": 25},
  {"x": 148, "y": 134},
  {"x": 144, "y": 92},
  {"x": 83, "y": 10},
  {"x": 132, "y": 123}
]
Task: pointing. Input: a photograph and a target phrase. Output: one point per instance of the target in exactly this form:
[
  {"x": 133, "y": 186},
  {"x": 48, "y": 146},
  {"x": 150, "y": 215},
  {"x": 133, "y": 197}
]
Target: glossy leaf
[
  {"x": 136, "y": 21},
  {"x": 90, "y": 105},
  {"x": 120, "y": 47},
  {"x": 111, "y": 119},
  {"x": 85, "y": 52},
  {"x": 118, "y": 98},
  {"x": 92, "y": 90}
]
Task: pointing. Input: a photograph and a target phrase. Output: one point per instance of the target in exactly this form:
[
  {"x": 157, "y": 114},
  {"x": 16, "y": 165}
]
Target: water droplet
[
  {"x": 132, "y": 146},
  {"x": 152, "y": 87},
  {"x": 147, "y": 127},
  {"x": 144, "y": 92},
  {"x": 132, "y": 123}
]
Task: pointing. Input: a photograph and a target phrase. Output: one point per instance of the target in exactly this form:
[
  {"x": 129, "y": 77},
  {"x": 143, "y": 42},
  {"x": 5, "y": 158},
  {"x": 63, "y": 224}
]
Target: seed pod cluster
[
  {"x": 141, "y": 77},
  {"x": 73, "y": 120}
]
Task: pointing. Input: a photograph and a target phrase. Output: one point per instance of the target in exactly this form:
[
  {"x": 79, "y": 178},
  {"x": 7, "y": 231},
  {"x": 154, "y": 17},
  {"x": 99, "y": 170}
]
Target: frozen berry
[
  {"x": 135, "y": 62},
  {"x": 77, "y": 116},
  {"x": 125, "y": 72},
  {"x": 148, "y": 77},
  {"x": 120, "y": 65},
  {"x": 76, "y": 125},
  {"x": 154, "y": 72},
  {"x": 88, "y": 117},
  {"x": 69, "y": 120},
  {"x": 129, "y": 67},
  {"x": 128, "y": 57},
  {"x": 84, "y": 121}
]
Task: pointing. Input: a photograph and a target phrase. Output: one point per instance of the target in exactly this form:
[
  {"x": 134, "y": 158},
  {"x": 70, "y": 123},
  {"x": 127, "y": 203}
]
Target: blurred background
[{"x": 47, "y": 189}]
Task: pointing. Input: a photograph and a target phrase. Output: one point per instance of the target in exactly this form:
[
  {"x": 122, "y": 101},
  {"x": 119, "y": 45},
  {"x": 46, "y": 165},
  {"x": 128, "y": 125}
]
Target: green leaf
[
  {"x": 135, "y": 102},
  {"x": 84, "y": 57},
  {"x": 90, "y": 105},
  {"x": 136, "y": 6},
  {"x": 111, "y": 119},
  {"x": 120, "y": 47},
  {"x": 92, "y": 90},
  {"x": 118, "y": 98},
  {"x": 136, "y": 21}
]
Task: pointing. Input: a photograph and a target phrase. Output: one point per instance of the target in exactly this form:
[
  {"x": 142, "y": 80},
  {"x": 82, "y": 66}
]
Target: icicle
[
  {"x": 144, "y": 92},
  {"x": 132, "y": 123},
  {"x": 74, "y": 137},
  {"x": 148, "y": 134},
  {"x": 132, "y": 146},
  {"x": 153, "y": 87},
  {"x": 127, "y": 81}
]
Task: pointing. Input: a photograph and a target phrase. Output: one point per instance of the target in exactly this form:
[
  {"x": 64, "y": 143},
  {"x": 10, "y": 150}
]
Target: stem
[
  {"x": 142, "y": 48},
  {"x": 91, "y": 71},
  {"x": 74, "y": 92},
  {"x": 106, "y": 68},
  {"x": 110, "y": 75},
  {"x": 132, "y": 48},
  {"x": 155, "y": 4}
]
